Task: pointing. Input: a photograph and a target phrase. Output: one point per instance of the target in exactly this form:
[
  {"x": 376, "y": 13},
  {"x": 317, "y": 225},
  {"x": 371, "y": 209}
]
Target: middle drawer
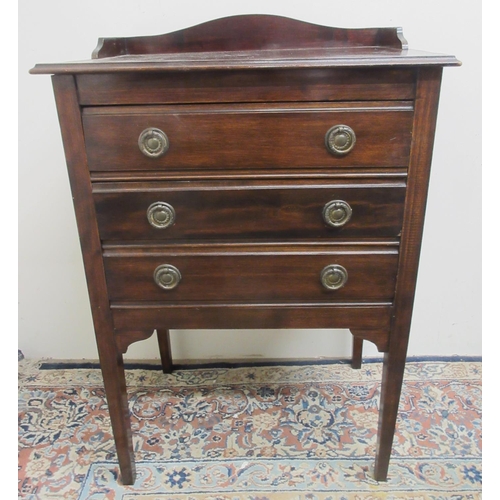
[{"x": 249, "y": 210}]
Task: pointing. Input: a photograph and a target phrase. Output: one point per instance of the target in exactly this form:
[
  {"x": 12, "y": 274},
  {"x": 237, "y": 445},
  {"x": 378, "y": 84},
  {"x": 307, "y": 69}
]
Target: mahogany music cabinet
[{"x": 250, "y": 172}]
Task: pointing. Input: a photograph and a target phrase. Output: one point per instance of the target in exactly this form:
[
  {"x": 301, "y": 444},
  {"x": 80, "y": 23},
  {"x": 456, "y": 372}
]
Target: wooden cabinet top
[{"x": 252, "y": 42}]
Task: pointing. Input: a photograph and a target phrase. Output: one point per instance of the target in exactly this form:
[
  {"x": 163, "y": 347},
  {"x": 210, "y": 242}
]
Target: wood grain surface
[
  {"x": 249, "y": 210},
  {"x": 248, "y": 136}
]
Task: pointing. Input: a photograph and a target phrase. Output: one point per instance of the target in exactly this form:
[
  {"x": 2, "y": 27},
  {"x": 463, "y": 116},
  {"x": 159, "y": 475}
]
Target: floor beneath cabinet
[{"x": 305, "y": 431}]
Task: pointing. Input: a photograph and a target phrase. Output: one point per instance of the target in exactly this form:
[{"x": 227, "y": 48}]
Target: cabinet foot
[
  {"x": 357, "y": 353},
  {"x": 392, "y": 382},
  {"x": 165, "y": 350},
  {"x": 116, "y": 394}
]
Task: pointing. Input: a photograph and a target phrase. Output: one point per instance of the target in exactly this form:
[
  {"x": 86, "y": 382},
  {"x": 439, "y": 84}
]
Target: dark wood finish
[
  {"x": 109, "y": 354},
  {"x": 165, "y": 350},
  {"x": 306, "y": 173},
  {"x": 357, "y": 352},
  {"x": 346, "y": 84},
  {"x": 361, "y": 57},
  {"x": 426, "y": 106},
  {"x": 250, "y": 209},
  {"x": 246, "y": 103},
  {"x": 249, "y": 42},
  {"x": 255, "y": 32},
  {"x": 285, "y": 274},
  {"x": 362, "y": 316},
  {"x": 248, "y": 136}
]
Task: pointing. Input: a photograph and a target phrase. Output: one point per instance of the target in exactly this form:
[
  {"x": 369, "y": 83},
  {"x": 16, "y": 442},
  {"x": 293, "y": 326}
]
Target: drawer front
[
  {"x": 268, "y": 275},
  {"x": 266, "y": 85},
  {"x": 247, "y": 136},
  {"x": 169, "y": 211}
]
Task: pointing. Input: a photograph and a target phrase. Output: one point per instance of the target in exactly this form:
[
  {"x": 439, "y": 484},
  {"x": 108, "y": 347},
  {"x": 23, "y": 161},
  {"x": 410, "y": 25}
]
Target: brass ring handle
[
  {"x": 337, "y": 213},
  {"x": 153, "y": 142},
  {"x": 167, "y": 276},
  {"x": 334, "y": 277},
  {"x": 340, "y": 139},
  {"x": 161, "y": 215}
]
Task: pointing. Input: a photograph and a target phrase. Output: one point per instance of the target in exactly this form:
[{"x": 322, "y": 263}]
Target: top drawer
[{"x": 248, "y": 136}]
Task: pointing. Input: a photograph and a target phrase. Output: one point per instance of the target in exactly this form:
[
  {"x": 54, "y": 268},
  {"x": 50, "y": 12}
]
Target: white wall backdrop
[{"x": 54, "y": 314}]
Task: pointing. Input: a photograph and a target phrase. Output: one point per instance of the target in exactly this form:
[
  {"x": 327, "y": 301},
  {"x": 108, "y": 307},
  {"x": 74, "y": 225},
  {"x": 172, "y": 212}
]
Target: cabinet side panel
[
  {"x": 110, "y": 358},
  {"x": 76, "y": 159},
  {"x": 424, "y": 126}
]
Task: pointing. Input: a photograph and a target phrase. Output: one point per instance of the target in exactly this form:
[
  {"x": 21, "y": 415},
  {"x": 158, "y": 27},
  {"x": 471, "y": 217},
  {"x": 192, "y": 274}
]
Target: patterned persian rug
[{"x": 261, "y": 433}]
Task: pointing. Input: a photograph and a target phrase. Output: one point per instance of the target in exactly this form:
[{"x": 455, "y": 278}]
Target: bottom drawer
[{"x": 251, "y": 273}]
